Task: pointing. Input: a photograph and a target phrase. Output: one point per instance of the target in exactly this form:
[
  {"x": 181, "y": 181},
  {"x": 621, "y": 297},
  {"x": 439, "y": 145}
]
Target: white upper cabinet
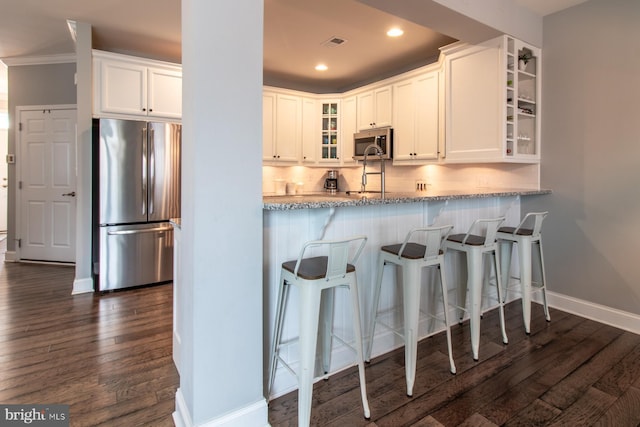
[
  {"x": 348, "y": 127},
  {"x": 491, "y": 113},
  {"x": 416, "y": 124},
  {"x": 309, "y": 130},
  {"x": 126, "y": 86},
  {"x": 268, "y": 126},
  {"x": 329, "y": 136},
  {"x": 281, "y": 127},
  {"x": 374, "y": 108},
  {"x": 164, "y": 93},
  {"x": 306, "y": 130}
]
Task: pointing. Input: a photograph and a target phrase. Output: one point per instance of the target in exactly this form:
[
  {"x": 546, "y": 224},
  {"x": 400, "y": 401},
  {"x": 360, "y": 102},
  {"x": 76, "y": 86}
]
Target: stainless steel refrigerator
[{"x": 136, "y": 189}]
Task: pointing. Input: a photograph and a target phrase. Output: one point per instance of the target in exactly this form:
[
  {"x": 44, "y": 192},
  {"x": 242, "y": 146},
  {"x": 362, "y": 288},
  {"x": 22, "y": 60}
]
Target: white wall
[
  {"x": 221, "y": 251},
  {"x": 591, "y": 152}
]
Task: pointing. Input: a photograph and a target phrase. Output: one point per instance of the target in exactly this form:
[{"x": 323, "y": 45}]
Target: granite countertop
[{"x": 326, "y": 200}]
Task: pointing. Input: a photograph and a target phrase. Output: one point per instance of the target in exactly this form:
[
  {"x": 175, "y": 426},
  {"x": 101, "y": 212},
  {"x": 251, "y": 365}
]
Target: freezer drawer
[{"x": 135, "y": 255}]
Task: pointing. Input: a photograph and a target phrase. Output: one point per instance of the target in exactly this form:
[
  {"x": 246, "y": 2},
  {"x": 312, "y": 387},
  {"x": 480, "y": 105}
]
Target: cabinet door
[
  {"x": 404, "y": 129},
  {"x": 123, "y": 88},
  {"x": 268, "y": 126},
  {"x": 348, "y": 127},
  {"x": 383, "y": 104},
  {"x": 365, "y": 110},
  {"x": 165, "y": 93},
  {"x": 474, "y": 105},
  {"x": 288, "y": 129},
  {"x": 309, "y": 130},
  {"x": 427, "y": 130},
  {"x": 374, "y": 108}
]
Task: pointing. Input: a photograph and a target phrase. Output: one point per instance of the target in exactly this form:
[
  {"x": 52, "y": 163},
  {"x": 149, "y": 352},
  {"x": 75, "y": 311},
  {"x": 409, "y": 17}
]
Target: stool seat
[
  {"x": 311, "y": 276},
  {"x": 412, "y": 257},
  {"x": 526, "y": 235},
  {"x": 516, "y": 231},
  {"x": 313, "y": 268},
  {"x": 475, "y": 246},
  {"x": 411, "y": 250},
  {"x": 467, "y": 239}
]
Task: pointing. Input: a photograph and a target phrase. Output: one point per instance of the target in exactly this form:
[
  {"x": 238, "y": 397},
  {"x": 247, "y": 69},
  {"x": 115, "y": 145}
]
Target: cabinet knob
[{"x": 144, "y": 109}]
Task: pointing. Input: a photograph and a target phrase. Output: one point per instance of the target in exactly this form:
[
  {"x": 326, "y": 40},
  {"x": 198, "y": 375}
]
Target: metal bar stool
[
  {"x": 476, "y": 247},
  {"x": 311, "y": 276},
  {"x": 526, "y": 234},
  {"x": 412, "y": 257}
]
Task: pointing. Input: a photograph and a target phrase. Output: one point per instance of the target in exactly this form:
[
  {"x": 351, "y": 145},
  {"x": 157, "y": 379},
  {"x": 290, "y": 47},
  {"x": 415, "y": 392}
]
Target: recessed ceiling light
[
  {"x": 395, "y": 32},
  {"x": 321, "y": 67}
]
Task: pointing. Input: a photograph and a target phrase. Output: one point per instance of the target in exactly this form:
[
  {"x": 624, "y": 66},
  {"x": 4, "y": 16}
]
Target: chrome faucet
[{"x": 379, "y": 153}]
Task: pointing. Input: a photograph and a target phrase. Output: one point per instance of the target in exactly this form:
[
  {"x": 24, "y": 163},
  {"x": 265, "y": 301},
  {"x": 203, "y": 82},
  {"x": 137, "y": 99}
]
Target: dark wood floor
[
  {"x": 109, "y": 358},
  {"x": 570, "y": 372}
]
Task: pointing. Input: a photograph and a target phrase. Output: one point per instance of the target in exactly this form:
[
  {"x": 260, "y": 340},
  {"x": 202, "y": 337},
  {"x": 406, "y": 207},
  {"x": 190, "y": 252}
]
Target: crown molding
[{"x": 65, "y": 58}]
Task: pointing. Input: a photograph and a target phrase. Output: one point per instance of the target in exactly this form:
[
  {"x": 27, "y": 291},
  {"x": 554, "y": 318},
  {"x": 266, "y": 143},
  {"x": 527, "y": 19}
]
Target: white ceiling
[
  {"x": 547, "y": 7},
  {"x": 294, "y": 33}
]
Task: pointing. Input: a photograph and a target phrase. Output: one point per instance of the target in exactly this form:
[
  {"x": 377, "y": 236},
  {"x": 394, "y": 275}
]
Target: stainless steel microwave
[{"x": 382, "y": 137}]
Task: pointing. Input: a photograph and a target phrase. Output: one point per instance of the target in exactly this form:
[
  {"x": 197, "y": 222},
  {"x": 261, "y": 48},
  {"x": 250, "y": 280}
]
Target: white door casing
[
  {"x": 4, "y": 183},
  {"x": 46, "y": 183}
]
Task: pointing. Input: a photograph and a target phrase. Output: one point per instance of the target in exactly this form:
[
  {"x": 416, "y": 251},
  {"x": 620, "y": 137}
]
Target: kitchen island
[{"x": 292, "y": 220}]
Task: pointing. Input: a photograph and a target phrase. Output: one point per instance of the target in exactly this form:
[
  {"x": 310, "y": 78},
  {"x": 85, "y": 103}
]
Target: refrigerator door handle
[
  {"x": 146, "y": 230},
  {"x": 152, "y": 169},
  {"x": 144, "y": 171}
]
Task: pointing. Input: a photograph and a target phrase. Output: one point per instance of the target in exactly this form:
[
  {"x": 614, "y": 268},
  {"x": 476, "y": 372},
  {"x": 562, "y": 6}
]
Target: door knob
[{"x": 72, "y": 194}]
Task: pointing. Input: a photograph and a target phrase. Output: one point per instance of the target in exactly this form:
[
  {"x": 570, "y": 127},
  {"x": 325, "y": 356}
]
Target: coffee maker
[{"x": 331, "y": 182}]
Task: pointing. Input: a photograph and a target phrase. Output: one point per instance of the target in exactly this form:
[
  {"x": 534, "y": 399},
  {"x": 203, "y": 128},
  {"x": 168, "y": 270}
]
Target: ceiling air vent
[{"x": 334, "y": 41}]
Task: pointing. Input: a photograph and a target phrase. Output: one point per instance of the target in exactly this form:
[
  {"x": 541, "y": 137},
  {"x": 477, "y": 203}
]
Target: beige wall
[{"x": 591, "y": 152}]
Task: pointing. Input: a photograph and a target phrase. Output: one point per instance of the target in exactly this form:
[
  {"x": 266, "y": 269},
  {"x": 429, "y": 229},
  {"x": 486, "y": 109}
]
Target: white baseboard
[
  {"x": 600, "y": 313},
  {"x": 10, "y": 256},
  {"x": 255, "y": 414},
  {"x": 181, "y": 417},
  {"x": 82, "y": 286}
]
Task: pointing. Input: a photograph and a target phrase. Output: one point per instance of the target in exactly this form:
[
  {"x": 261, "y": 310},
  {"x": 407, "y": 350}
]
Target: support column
[{"x": 221, "y": 377}]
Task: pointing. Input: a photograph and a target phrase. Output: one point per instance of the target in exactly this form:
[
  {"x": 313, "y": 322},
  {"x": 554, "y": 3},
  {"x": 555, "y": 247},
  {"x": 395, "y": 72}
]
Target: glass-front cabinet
[{"x": 330, "y": 147}]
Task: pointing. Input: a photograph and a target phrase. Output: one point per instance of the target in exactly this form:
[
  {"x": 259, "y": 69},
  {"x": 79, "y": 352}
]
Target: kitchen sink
[{"x": 366, "y": 193}]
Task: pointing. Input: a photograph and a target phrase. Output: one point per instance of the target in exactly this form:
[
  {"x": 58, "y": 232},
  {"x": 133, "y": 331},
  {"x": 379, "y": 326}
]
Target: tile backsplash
[{"x": 302, "y": 179}]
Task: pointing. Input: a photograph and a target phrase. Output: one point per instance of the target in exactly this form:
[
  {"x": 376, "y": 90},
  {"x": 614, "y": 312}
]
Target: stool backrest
[
  {"x": 337, "y": 253},
  {"x": 532, "y": 217},
  {"x": 491, "y": 228},
  {"x": 434, "y": 238}
]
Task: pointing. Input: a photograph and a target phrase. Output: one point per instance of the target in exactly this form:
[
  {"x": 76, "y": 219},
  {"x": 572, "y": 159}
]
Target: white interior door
[{"x": 47, "y": 184}]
